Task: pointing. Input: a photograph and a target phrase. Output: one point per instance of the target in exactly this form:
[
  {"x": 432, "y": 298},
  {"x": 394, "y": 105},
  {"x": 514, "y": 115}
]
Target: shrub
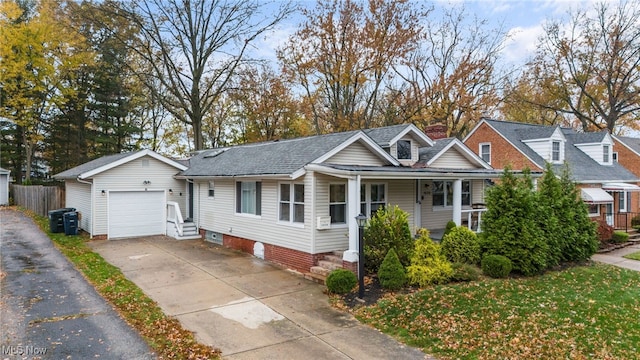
[
  {"x": 510, "y": 227},
  {"x": 450, "y": 226},
  {"x": 461, "y": 245},
  {"x": 619, "y": 237},
  {"x": 341, "y": 281},
  {"x": 464, "y": 272},
  {"x": 635, "y": 221},
  {"x": 428, "y": 265},
  {"x": 391, "y": 274},
  {"x": 604, "y": 231},
  {"x": 496, "y": 266},
  {"x": 387, "y": 229}
]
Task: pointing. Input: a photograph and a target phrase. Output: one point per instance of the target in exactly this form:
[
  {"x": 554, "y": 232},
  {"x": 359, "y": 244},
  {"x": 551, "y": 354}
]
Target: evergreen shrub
[
  {"x": 392, "y": 275},
  {"x": 387, "y": 229},
  {"x": 461, "y": 245},
  {"x": 496, "y": 266},
  {"x": 341, "y": 281},
  {"x": 428, "y": 265}
]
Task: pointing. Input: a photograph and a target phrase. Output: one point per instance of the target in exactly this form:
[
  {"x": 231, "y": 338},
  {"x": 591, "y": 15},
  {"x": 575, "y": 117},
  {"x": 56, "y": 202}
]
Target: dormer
[
  {"x": 598, "y": 146},
  {"x": 550, "y": 146},
  {"x": 402, "y": 142}
]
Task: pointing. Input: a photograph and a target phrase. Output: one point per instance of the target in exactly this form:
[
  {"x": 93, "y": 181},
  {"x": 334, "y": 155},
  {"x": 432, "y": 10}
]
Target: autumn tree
[
  {"x": 264, "y": 107},
  {"x": 342, "y": 56},
  {"x": 37, "y": 49},
  {"x": 193, "y": 48},
  {"x": 452, "y": 78},
  {"x": 589, "y": 70}
]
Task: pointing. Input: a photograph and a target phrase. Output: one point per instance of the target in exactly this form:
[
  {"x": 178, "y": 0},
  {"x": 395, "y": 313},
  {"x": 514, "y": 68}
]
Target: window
[
  {"x": 372, "y": 200},
  {"x": 292, "y": 211},
  {"x": 443, "y": 193},
  {"x": 212, "y": 191},
  {"x": 624, "y": 199},
  {"x": 249, "y": 197},
  {"x": 555, "y": 151},
  {"x": 485, "y": 152},
  {"x": 605, "y": 153},
  {"x": 615, "y": 157},
  {"x": 594, "y": 209},
  {"x": 338, "y": 203},
  {"x": 404, "y": 149}
]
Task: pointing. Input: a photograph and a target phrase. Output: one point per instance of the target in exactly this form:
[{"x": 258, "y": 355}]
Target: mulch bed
[{"x": 373, "y": 292}]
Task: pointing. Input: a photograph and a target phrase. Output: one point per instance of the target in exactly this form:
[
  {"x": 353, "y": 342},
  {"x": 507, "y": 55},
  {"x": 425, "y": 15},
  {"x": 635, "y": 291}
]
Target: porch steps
[
  {"x": 189, "y": 232},
  {"x": 328, "y": 263},
  {"x": 634, "y": 238}
]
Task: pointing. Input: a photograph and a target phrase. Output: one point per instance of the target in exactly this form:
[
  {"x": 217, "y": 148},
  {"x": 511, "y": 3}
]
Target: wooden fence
[{"x": 37, "y": 198}]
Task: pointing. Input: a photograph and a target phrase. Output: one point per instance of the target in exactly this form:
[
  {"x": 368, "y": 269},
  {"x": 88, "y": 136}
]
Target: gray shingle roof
[
  {"x": 632, "y": 142},
  {"x": 583, "y": 168},
  {"x": 91, "y": 165},
  {"x": 383, "y": 136},
  {"x": 427, "y": 153},
  {"x": 277, "y": 157}
]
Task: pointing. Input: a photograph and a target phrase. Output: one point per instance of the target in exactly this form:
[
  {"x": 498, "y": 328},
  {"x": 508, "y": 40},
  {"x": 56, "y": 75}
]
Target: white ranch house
[{"x": 289, "y": 201}]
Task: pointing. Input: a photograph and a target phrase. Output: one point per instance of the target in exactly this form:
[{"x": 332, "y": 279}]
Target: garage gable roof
[
  {"x": 4, "y": 171},
  {"x": 97, "y": 166}
]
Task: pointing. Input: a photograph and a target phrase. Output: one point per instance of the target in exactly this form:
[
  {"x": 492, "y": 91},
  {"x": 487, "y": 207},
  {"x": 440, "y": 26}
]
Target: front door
[
  {"x": 190, "y": 205},
  {"x": 609, "y": 214}
]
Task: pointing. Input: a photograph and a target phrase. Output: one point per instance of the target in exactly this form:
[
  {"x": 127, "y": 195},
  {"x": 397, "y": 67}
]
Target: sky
[{"x": 523, "y": 20}]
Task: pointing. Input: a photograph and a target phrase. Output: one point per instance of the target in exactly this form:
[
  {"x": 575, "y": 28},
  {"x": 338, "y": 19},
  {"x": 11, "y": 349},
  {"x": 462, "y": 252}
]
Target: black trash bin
[
  {"x": 56, "y": 222},
  {"x": 70, "y": 223}
]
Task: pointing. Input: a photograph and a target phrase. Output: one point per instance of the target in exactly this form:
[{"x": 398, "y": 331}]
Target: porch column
[
  {"x": 457, "y": 202},
  {"x": 353, "y": 209}
]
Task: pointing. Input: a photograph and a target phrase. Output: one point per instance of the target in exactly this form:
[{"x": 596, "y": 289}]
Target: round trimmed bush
[
  {"x": 450, "y": 226},
  {"x": 461, "y": 245},
  {"x": 341, "y": 281},
  {"x": 496, "y": 266},
  {"x": 391, "y": 274},
  {"x": 464, "y": 272}
]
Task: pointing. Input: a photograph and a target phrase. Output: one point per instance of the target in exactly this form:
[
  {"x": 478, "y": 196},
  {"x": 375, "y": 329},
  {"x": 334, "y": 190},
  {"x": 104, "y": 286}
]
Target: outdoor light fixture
[
  {"x": 146, "y": 182},
  {"x": 103, "y": 192},
  {"x": 170, "y": 192},
  {"x": 361, "y": 220}
]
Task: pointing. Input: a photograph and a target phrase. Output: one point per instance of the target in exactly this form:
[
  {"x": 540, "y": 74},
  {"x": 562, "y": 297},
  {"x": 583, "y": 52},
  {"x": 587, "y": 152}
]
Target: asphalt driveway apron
[
  {"x": 245, "y": 306},
  {"x": 47, "y": 309}
]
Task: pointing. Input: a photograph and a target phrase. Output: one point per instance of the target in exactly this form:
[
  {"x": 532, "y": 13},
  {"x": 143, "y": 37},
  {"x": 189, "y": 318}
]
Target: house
[
  {"x": 627, "y": 154},
  {"x": 294, "y": 201},
  {"x": 125, "y": 195},
  {"x": 4, "y": 186},
  {"x": 606, "y": 185}
]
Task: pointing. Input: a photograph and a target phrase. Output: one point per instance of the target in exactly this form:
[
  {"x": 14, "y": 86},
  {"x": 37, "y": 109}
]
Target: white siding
[
  {"x": 415, "y": 149},
  {"x": 595, "y": 151},
  {"x": 4, "y": 189},
  {"x": 355, "y": 154},
  {"x": 336, "y": 238},
  {"x": 453, "y": 159},
  {"x": 78, "y": 196},
  {"x": 402, "y": 193},
  {"x": 219, "y": 214},
  {"x": 130, "y": 176}
]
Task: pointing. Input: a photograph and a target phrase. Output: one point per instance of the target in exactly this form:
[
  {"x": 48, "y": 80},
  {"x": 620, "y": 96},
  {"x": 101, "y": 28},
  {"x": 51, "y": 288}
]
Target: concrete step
[
  {"x": 329, "y": 265},
  {"x": 189, "y": 237},
  {"x": 319, "y": 270},
  {"x": 333, "y": 259},
  {"x": 338, "y": 253},
  {"x": 320, "y": 279}
]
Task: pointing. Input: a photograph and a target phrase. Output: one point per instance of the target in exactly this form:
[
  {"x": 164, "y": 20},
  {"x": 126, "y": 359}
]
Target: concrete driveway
[{"x": 247, "y": 307}]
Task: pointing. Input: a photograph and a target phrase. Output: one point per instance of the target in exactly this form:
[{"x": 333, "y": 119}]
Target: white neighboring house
[
  {"x": 126, "y": 195},
  {"x": 4, "y": 186}
]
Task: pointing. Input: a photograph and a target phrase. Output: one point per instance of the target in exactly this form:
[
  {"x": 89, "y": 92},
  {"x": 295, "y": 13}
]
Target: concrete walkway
[
  {"x": 247, "y": 307},
  {"x": 616, "y": 258}
]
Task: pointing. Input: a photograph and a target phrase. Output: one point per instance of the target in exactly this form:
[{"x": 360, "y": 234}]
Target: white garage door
[{"x": 136, "y": 213}]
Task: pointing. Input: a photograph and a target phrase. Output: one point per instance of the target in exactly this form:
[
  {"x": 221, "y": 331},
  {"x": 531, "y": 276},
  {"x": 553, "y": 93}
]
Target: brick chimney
[{"x": 436, "y": 131}]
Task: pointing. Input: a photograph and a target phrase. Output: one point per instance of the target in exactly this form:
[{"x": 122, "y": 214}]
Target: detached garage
[{"x": 124, "y": 195}]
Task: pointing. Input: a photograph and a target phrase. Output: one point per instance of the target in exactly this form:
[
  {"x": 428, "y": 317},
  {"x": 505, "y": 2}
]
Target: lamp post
[{"x": 361, "y": 220}]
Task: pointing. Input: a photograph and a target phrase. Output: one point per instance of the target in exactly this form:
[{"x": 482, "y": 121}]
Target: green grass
[
  {"x": 633, "y": 256},
  {"x": 588, "y": 312},
  {"x": 164, "y": 334}
]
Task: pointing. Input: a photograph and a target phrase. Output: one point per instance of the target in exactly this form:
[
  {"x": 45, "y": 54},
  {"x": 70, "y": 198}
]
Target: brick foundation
[
  {"x": 351, "y": 266},
  {"x": 99, "y": 237},
  {"x": 289, "y": 258}
]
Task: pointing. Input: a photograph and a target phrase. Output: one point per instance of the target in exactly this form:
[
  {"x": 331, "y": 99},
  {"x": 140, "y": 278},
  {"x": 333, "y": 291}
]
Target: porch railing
[
  {"x": 623, "y": 220},
  {"x": 174, "y": 215},
  {"x": 472, "y": 218}
]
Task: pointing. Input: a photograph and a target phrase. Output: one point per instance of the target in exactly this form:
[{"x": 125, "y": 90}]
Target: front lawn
[
  {"x": 582, "y": 312},
  {"x": 633, "y": 256}
]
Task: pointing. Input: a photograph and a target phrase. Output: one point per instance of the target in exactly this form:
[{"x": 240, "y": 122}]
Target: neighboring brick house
[
  {"x": 627, "y": 154},
  {"x": 607, "y": 186}
]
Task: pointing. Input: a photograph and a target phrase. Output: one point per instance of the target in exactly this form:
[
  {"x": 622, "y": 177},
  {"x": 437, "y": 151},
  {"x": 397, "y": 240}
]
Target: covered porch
[{"x": 431, "y": 197}]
